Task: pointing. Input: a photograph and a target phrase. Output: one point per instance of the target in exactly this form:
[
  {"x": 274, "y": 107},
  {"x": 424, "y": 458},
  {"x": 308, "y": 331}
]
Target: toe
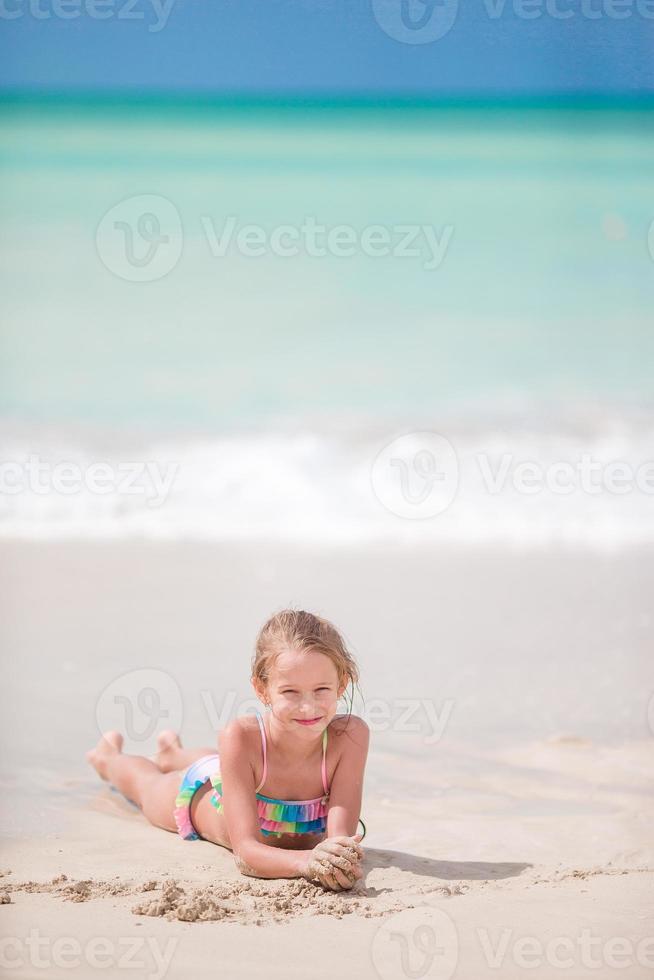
[
  {"x": 115, "y": 739},
  {"x": 168, "y": 739}
]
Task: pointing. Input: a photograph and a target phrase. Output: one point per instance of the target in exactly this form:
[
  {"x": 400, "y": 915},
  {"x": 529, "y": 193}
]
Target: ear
[{"x": 259, "y": 690}]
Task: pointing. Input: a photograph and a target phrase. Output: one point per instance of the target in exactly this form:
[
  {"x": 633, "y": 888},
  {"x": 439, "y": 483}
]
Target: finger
[
  {"x": 355, "y": 873},
  {"x": 318, "y": 870},
  {"x": 333, "y": 846},
  {"x": 327, "y": 874},
  {"x": 343, "y": 879},
  {"x": 335, "y": 876},
  {"x": 353, "y": 854},
  {"x": 327, "y": 880},
  {"x": 345, "y": 864},
  {"x": 345, "y": 872},
  {"x": 342, "y": 862},
  {"x": 347, "y": 879},
  {"x": 349, "y": 842}
]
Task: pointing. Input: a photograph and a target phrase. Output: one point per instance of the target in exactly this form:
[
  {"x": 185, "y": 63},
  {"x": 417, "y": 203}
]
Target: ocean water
[{"x": 260, "y": 302}]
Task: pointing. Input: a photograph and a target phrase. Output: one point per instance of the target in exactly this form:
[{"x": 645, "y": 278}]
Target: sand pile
[{"x": 248, "y": 901}]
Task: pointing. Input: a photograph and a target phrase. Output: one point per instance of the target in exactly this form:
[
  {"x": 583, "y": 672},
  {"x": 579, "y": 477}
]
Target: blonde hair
[{"x": 293, "y": 629}]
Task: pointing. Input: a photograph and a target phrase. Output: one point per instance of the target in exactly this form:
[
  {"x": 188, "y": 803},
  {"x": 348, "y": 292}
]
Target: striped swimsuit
[{"x": 276, "y": 817}]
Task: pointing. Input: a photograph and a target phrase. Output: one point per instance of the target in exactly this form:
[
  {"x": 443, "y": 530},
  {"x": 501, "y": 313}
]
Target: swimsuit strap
[
  {"x": 263, "y": 742},
  {"x": 265, "y": 760},
  {"x": 324, "y": 762}
]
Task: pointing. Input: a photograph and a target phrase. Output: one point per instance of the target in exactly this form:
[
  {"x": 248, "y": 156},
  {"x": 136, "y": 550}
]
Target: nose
[{"x": 307, "y": 708}]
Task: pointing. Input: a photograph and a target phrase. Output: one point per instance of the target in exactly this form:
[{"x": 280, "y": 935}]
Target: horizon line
[{"x": 206, "y": 99}]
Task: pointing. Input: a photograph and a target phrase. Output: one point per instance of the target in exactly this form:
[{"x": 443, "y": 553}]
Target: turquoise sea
[{"x": 275, "y": 291}]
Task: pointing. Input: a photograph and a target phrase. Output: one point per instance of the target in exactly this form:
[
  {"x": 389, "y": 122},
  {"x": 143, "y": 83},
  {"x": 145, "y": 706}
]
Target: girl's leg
[
  {"x": 137, "y": 778},
  {"x": 172, "y": 756}
]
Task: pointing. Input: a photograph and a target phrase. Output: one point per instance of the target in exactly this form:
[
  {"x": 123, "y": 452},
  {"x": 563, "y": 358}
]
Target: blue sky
[{"x": 435, "y": 48}]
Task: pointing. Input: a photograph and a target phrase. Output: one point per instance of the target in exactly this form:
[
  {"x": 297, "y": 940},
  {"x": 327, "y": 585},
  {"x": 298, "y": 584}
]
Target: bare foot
[
  {"x": 168, "y": 742},
  {"x": 110, "y": 744}
]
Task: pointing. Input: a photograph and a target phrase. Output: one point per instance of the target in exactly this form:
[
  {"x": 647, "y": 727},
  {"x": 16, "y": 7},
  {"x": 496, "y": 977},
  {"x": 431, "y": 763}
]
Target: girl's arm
[
  {"x": 346, "y": 787},
  {"x": 252, "y": 856}
]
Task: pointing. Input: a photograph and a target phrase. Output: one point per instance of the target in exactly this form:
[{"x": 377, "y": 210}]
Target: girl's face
[{"x": 303, "y": 691}]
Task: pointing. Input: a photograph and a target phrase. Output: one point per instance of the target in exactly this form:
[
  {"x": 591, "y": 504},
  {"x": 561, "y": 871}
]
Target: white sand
[{"x": 491, "y": 851}]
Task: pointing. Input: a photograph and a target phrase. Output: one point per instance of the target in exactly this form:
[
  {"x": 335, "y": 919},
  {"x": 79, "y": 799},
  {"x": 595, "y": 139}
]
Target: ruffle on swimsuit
[{"x": 276, "y": 817}]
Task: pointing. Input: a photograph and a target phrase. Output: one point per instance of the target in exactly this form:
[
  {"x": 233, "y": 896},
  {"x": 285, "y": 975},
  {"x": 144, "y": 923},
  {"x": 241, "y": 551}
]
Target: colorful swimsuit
[{"x": 276, "y": 817}]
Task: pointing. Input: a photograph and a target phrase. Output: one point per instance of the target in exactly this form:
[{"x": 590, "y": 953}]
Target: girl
[{"x": 309, "y": 760}]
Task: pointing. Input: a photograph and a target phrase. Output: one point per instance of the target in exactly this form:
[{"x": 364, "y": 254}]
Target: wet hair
[{"x": 295, "y": 629}]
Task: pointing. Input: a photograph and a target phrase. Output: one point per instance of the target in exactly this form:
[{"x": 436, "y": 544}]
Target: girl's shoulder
[
  {"x": 243, "y": 728},
  {"x": 352, "y": 725}
]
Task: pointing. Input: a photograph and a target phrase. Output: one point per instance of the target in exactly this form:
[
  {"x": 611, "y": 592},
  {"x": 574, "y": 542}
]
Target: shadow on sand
[{"x": 444, "y": 870}]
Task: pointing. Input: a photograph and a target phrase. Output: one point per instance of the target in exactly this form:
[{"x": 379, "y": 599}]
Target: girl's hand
[{"x": 335, "y": 862}]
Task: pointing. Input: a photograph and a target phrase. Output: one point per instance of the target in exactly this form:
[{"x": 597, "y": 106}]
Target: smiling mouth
[{"x": 307, "y": 721}]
